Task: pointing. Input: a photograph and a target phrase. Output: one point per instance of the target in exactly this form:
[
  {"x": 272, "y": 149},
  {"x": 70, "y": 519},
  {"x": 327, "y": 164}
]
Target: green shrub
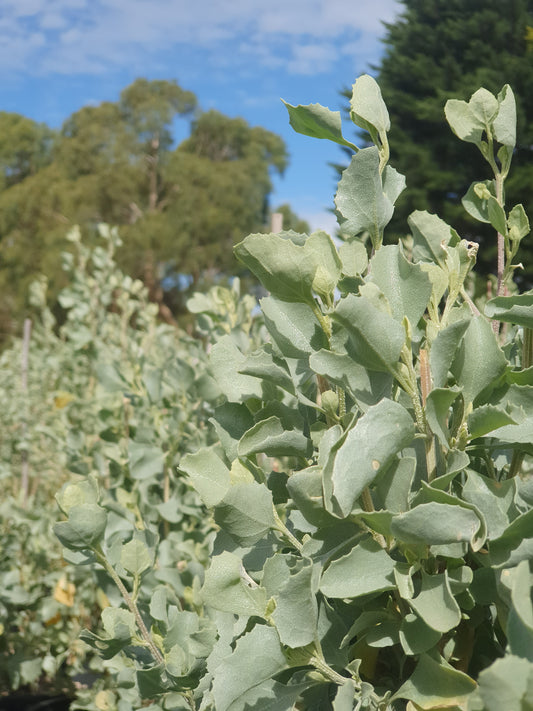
[
  {"x": 370, "y": 481},
  {"x": 111, "y": 397}
]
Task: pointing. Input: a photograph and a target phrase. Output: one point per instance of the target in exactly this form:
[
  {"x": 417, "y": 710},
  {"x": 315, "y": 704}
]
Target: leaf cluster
[
  {"x": 110, "y": 402},
  {"x": 437, "y": 50},
  {"x": 371, "y": 480}
]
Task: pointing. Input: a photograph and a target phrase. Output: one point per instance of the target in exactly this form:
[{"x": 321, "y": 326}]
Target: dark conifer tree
[{"x": 443, "y": 49}]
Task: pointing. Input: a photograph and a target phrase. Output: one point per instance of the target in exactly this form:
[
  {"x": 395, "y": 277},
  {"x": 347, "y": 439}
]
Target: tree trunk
[{"x": 155, "y": 292}]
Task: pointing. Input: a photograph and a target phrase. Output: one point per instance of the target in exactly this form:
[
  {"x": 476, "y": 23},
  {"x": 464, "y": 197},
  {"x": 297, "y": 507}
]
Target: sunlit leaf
[
  {"x": 258, "y": 656},
  {"x": 229, "y": 589},
  {"x": 375, "y": 572},
  {"x": 360, "y": 199},
  {"x": 434, "y": 685},
  {"x": 378, "y": 436},
  {"x": 84, "y": 528},
  {"x": 318, "y": 122}
]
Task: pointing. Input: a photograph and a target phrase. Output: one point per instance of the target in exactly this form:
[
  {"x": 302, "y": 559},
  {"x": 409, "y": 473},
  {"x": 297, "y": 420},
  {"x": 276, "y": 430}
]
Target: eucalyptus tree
[
  {"x": 180, "y": 208},
  {"x": 25, "y": 147}
]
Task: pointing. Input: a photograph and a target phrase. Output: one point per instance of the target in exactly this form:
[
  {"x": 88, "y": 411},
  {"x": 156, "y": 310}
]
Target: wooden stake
[
  {"x": 276, "y": 222},
  {"x": 25, "y": 474}
]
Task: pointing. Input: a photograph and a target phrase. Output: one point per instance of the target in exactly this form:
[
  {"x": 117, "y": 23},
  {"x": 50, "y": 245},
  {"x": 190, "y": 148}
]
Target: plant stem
[
  {"x": 322, "y": 320},
  {"x": 327, "y": 671},
  {"x": 366, "y": 500},
  {"x": 368, "y": 505},
  {"x": 190, "y": 699},
  {"x": 501, "y": 238},
  {"x": 431, "y": 457},
  {"x": 337, "y": 678},
  {"x": 403, "y": 607},
  {"x": 282, "y": 528},
  {"x": 166, "y": 494},
  {"x": 527, "y": 348},
  {"x": 473, "y": 308},
  {"x": 501, "y": 264},
  {"x": 425, "y": 375},
  {"x": 527, "y": 361},
  {"x": 384, "y": 152},
  {"x": 450, "y": 301},
  {"x": 131, "y": 605},
  {"x": 322, "y": 383},
  {"x": 426, "y": 386},
  {"x": 516, "y": 463}
]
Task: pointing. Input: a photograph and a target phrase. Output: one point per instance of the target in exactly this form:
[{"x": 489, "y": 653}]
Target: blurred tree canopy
[
  {"x": 443, "y": 49},
  {"x": 180, "y": 208},
  {"x": 25, "y": 148}
]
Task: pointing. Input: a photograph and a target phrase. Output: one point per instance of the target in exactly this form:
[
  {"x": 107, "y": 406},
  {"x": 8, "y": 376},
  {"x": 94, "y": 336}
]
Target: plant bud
[
  {"x": 482, "y": 191},
  {"x": 330, "y": 403}
]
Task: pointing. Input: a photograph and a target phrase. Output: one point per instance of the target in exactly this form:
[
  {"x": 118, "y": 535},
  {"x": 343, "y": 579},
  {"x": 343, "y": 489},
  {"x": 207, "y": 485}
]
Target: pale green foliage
[
  {"x": 115, "y": 399},
  {"x": 371, "y": 479}
]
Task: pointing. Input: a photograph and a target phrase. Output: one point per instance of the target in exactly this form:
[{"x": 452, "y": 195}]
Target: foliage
[
  {"x": 113, "y": 397},
  {"x": 438, "y": 49},
  {"x": 202, "y": 218},
  {"x": 180, "y": 208},
  {"x": 24, "y": 147},
  {"x": 371, "y": 477}
]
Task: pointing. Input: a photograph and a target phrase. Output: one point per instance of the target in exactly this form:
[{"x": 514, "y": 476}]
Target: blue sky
[{"x": 238, "y": 56}]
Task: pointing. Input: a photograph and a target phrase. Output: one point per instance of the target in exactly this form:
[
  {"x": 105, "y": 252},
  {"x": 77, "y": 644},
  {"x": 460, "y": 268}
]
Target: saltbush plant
[
  {"x": 370, "y": 480},
  {"x": 115, "y": 397}
]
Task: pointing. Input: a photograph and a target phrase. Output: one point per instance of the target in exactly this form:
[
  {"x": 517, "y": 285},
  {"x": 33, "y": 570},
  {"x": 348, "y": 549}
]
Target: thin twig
[
  {"x": 473, "y": 308},
  {"x": 282, "y": 528},
  {"x": 426, "y": 386},
  {"x": 132, "y": 607},
  {"x": 527, "y": 361},
  {"x": 425, "y": 375},
  {"x": 368, "y": 506},
  {"x": 501, "y": 263}
]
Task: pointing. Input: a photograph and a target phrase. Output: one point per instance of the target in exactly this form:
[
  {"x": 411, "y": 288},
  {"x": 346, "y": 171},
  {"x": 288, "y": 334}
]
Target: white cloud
[
  {"x": 322, "y": 221},
  {"x": 91, "y": 36},
  {"x": 325, "y": 18},
  {"x": 53, "y": 21},
  {"x": 311, "y": 58}
]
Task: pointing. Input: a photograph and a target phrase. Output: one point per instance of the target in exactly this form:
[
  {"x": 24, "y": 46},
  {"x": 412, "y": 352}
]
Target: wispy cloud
[
  {"x": 41, "y": 37},
  {"x": 312, "y": 58},
  {"x": 321, "y": 221}
]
